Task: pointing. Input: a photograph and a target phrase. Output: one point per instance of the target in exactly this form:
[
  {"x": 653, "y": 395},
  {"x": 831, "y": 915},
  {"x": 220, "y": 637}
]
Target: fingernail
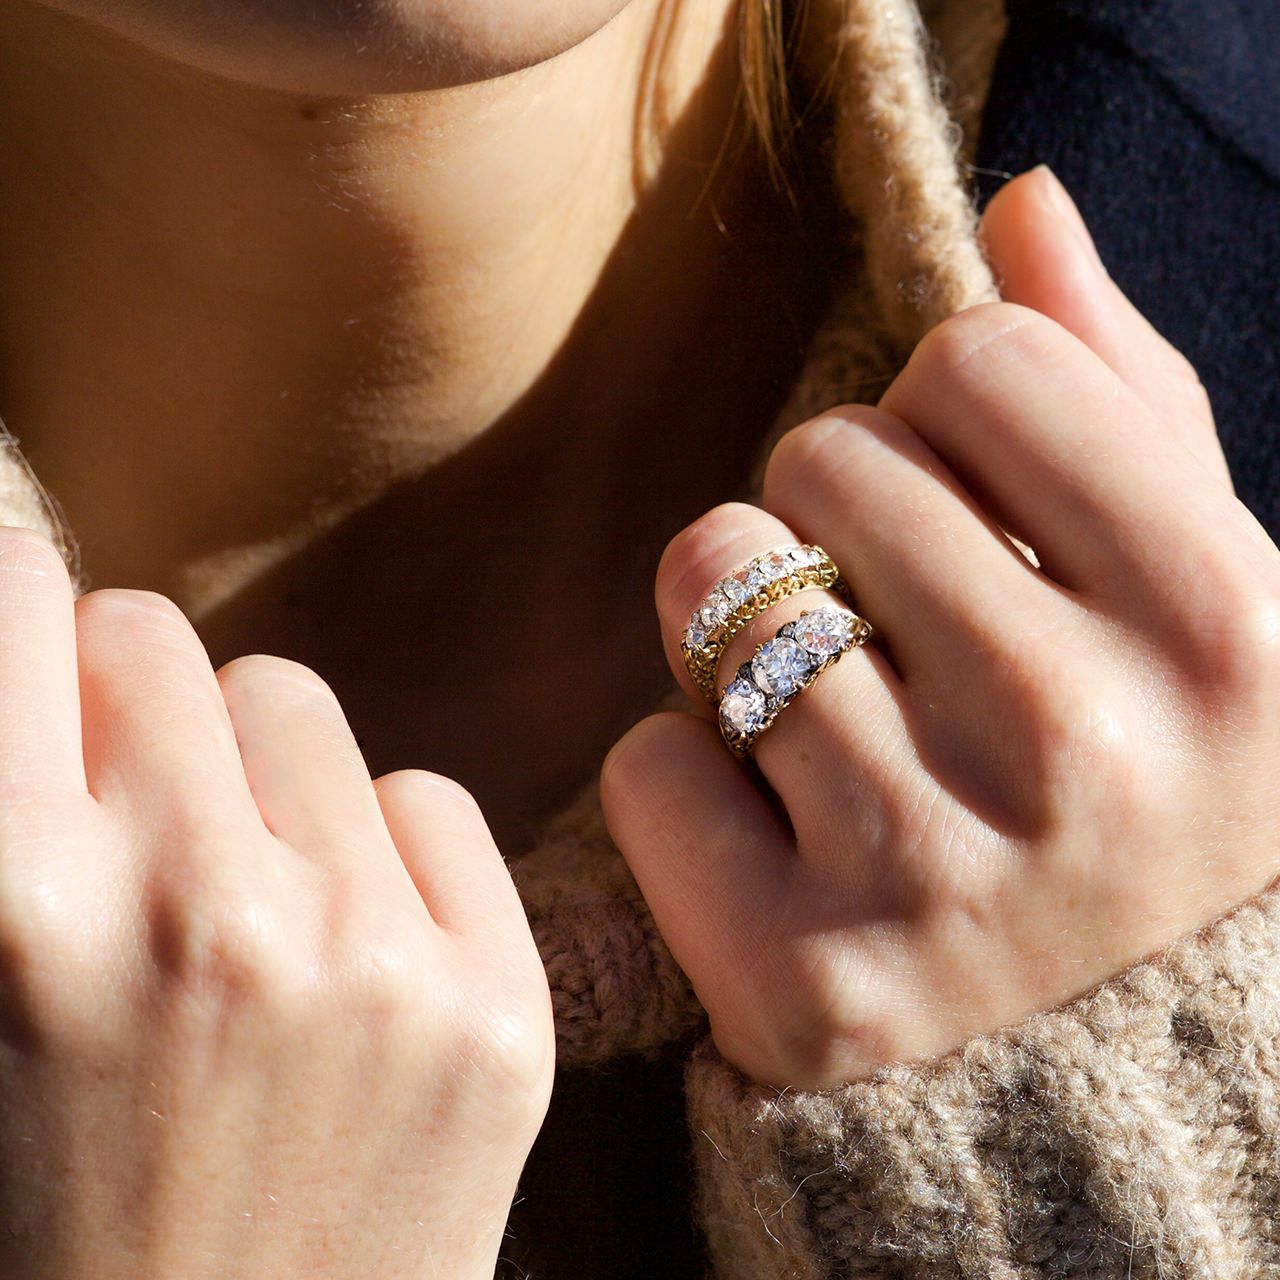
[{"x": 1058, "y": 200}]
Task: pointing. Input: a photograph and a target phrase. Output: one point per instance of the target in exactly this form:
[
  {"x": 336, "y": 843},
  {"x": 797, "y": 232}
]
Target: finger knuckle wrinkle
[
  {"x": 427, "y": 790},
  {"x": 284, "y": 682},
  {"x": 971, "y": 342},
  {"x": 809, "y": 450},
  {"x": 146, "y": 617}
]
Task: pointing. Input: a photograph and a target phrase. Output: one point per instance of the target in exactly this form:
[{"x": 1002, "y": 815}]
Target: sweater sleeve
[
  {"x": 615, "y": 988},
  {"x": 1133, "y": 1133}
]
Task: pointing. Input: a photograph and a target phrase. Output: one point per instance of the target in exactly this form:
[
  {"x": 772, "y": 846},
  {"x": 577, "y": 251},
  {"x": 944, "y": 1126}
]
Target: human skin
[
  {"x": 344, "y": 47},
  {"x": 262, "y": 1017},
  {"x": 1037, "y": 775}
]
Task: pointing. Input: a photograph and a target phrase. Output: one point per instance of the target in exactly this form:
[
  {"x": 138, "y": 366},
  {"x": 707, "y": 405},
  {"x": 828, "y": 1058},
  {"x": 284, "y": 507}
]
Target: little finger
[{"x": 448, "y": 852}]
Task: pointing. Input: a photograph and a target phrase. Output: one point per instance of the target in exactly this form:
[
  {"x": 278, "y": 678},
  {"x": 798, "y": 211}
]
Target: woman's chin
[{"x": 349, "y": 47}]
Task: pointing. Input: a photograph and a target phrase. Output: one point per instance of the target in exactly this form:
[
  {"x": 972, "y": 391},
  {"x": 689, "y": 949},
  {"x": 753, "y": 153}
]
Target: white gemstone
[
  {"x": 774, "y": 566},
  {"x": 696, "y": 636},
  {"x": 781, "y": 666},
  {"x": 742, "y": 707},
  {"x": 824, "y": 631},
  {"x": 736, "y": 588},
  {"x": 718, "y": 609}
]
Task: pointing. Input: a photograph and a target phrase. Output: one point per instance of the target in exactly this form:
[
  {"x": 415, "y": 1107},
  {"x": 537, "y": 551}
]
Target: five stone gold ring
[
  {"x": 744, "y": 594},
  {"x": 783, "y": 666}
]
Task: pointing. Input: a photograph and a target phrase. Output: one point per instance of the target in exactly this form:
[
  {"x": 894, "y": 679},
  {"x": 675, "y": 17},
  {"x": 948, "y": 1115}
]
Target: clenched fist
[{"x": 259, "y": 1015}]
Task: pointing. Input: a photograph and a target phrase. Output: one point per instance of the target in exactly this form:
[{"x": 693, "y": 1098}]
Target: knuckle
[
  {"x": 30, "y": 565},
  {"x": 970, "y": 341},
  {"x": 808, "y": 452},
  {"x": 144, "y": 619},
  {"x": 695, "y": 559},
  {"x": 217, "y": 944},
  {"x": 420, "y": 789},
  {"x": 1224, "y": 626},
  {"x": 510, "y": 1040},
  {"x": 1072, "y": 722},
  {"x": 284, "y": 678},
  {"x": 1186, "y": 378},
  {"x": 837, "y": 461},
  {"x": 493, "y": 1019}
]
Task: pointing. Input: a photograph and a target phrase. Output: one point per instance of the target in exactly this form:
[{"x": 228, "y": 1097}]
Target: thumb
[{"x": 1044, "y": 258}]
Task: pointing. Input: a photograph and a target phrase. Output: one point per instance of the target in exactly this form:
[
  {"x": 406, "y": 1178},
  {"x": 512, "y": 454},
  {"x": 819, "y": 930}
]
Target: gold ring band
[
  {"x": 780, "y": 668},
  {"x": 743, "y": 595}
]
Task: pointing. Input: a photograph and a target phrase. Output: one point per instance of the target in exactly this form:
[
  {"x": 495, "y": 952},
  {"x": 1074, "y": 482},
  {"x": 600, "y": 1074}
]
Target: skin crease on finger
[{"x": 351, "y": 46}]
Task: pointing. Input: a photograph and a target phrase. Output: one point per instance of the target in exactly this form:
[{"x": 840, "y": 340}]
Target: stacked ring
[
  {"x": 735, "y": 600},
  {"x": 780, "y": 668}
]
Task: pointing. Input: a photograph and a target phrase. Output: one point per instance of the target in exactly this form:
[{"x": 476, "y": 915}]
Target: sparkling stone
[
  {"x": 737, "y": 588},
  {"x": 781, "y": 666},
  {"x": 718, "y": 609},
  {"x": 776, "y": 565},
  {"x": 742, "y": 707},
  {"x": 823, "y": 631},
  {"x": 696, "y": 636}
]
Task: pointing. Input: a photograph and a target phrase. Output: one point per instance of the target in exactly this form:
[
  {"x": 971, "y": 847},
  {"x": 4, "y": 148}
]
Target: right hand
[{"x": 259, "y": 1016}]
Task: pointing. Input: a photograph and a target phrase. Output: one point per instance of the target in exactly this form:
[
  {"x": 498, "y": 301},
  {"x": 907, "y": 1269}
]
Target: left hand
[{"x": 1035, "y": 776}]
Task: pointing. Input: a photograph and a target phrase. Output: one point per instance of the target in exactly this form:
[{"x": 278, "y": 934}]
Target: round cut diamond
[
  {"x": 781, "y": 666},
  {"x": 742, "y": 707},
  {"x": 696, "y": 636},
  {"x": 824, "y": 631}
]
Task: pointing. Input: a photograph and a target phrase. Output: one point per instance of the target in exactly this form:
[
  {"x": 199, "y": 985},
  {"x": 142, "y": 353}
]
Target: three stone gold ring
[{"x": 780, "y": 668}]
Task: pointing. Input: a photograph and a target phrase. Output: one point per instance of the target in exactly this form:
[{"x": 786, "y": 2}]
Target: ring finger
[{"x": 303, "y": 765}]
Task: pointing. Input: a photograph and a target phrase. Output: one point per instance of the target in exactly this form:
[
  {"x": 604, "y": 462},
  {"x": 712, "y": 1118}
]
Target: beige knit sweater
[{"x": 1134, "y": 1133}]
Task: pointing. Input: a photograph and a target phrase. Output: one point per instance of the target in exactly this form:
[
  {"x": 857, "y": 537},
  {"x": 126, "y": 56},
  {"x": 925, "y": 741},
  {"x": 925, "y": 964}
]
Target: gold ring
[
  {"x": 780, "y": 668},
  {"x": 744, "y": 594}
]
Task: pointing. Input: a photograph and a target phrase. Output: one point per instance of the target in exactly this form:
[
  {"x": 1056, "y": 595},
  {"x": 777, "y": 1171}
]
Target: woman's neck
[{"x": 231, "y": 317}]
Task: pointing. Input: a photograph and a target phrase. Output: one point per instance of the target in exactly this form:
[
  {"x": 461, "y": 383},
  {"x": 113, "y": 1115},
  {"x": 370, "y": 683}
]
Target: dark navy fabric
[{"x": 1162, "y": 117}]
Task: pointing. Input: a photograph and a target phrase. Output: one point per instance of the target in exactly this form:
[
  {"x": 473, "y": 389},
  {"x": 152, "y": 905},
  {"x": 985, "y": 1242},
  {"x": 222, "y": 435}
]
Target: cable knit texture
[{"x": 614, "y": 987}]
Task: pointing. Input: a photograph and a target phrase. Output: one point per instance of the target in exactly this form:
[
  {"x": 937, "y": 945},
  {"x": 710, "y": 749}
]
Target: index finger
[{"x": 40, "y": 744}]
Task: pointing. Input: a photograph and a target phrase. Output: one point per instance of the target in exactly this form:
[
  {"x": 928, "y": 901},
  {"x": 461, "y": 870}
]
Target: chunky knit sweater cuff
[{"x": 1133, "y": 1133}]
